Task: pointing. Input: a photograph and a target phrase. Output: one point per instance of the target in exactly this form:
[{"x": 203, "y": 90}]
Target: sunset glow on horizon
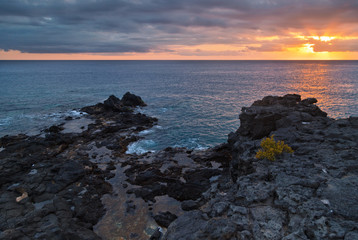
[{"x": 185, "y": 30}]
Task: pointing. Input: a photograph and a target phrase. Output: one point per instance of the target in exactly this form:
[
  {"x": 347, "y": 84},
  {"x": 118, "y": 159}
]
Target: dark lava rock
[
  {"x": 132, "y": 100},
  {"x": 266, "y": 115},
  {"x": 51, "y": 190},
  {"x": 113, "y": 103},
  {"x": 187, "y": 226},
  {"x": 189, "y": 205},
  {"x": 95, "y": 109},
  {"x": 165, "y": 218},
  {"x": 305, "y": 195},
  {"x": 282, "y": 115},
  {"x": 147, "y": 177},
  {"x": 54, "y": 129},
  {"x": 354, "y": 121},
  {"x": 149, "y": 192},
  {"x": 309, "y": 101},
  {"x": 197, "y": 182},
  {"x": 288, "y": 100},
  {"x": 50, "y": 187}
]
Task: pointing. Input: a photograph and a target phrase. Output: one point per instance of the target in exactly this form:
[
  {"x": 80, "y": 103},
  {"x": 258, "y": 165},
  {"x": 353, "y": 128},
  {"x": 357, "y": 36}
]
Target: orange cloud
[{"x": 248, "y": 29}]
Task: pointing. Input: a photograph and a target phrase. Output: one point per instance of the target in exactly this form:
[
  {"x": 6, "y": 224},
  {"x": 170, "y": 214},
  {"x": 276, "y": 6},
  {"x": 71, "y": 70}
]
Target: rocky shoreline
[
  {"x": 52, "y": 184},
  {"x": 55, "y": 185}
]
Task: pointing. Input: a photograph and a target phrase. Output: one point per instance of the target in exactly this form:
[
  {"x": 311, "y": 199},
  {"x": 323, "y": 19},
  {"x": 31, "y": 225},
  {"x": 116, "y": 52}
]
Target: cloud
[
  {"x": 339, "y": 45},
  {"x": 105, "y": 26}
]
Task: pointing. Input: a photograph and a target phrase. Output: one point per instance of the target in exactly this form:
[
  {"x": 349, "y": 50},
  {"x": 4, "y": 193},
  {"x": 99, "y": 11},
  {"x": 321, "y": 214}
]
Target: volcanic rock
[
  {"x": 51, "y": 187},
  {"x": 305, "y": 195},
  {"x": 132, "y": 100}
]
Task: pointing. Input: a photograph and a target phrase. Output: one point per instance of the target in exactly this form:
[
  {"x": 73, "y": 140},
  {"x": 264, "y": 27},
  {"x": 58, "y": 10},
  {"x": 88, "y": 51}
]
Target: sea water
[{"x": 197, "y": 102}]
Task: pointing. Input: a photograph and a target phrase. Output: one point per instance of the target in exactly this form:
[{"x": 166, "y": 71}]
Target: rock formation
[
  {"x": 52, "y": 184},
  {"x": 308, "y": 195}
]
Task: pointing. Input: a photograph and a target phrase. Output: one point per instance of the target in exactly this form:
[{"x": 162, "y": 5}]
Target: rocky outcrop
[
  {"x": 51, "y": 185},
  {"x": 271, "y": 113},
  {"x": 131, "y": 100},
  {"x": 113, "y": 104},
  {"x": 306, "y": 195}
]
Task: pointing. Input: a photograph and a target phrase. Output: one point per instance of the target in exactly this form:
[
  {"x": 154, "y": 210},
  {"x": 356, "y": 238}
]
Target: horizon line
[{"x": 178, "y": 59}]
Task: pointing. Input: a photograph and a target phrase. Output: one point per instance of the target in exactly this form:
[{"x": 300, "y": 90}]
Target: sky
[{"x": 178, "y": 29}]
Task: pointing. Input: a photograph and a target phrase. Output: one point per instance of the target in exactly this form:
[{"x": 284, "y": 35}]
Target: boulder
[{"x": 132, "y": 100}]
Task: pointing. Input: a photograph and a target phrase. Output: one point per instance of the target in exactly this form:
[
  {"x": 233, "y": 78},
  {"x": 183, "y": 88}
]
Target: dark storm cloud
[{"x": 72, "y": 26}]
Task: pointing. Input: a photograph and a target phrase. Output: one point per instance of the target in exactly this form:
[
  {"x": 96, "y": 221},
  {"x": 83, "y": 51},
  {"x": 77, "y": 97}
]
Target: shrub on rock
[{"x": 270, "y": 149}]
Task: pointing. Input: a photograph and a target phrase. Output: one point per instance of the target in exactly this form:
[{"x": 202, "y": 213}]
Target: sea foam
[{"x": 141, "y": 147}]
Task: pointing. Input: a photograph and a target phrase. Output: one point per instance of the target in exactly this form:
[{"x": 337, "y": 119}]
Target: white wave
[
  {"x": 146, "y": 132},
  {"x": 55, "y": 116},
  {"x": 51, "y": 116},
  {"x": 150, "y": 131},
  {"x": 141, "y": 147},
  {"x": 191, "y": 143},
  {"x": 201, "y": 148},
  {"x": 75, "y": 113}
]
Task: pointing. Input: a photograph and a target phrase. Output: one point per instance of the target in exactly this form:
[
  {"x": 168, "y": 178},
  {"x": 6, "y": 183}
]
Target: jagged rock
[
  {"x": 113, "y": 103},
  {"x": 264, "y": 115},
  {"x": 132, "y": 100}
]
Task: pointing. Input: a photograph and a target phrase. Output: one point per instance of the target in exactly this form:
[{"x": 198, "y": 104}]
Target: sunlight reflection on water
[{"x": 325, "y": 84}]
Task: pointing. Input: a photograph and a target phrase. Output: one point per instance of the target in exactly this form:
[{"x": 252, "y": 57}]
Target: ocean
[{"x": 197, "y": 102}]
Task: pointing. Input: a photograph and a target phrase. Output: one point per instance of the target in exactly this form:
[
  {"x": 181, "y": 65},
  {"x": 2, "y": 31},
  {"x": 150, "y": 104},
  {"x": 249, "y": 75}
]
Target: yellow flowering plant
[{"x": 270, "y": 149}]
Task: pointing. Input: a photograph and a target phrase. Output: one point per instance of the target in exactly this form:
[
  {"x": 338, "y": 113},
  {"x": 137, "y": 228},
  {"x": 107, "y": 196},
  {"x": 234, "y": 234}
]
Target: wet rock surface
[
  {"x": 55, "y": 186},
  {"x": 173, "y": 172}
]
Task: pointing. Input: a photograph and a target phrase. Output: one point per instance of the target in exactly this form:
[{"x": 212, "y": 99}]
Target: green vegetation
[{"x": 270, "y": 149}]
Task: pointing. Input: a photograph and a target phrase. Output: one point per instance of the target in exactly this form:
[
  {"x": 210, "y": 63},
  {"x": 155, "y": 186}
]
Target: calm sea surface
[{"x": 197, "y": 102}]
